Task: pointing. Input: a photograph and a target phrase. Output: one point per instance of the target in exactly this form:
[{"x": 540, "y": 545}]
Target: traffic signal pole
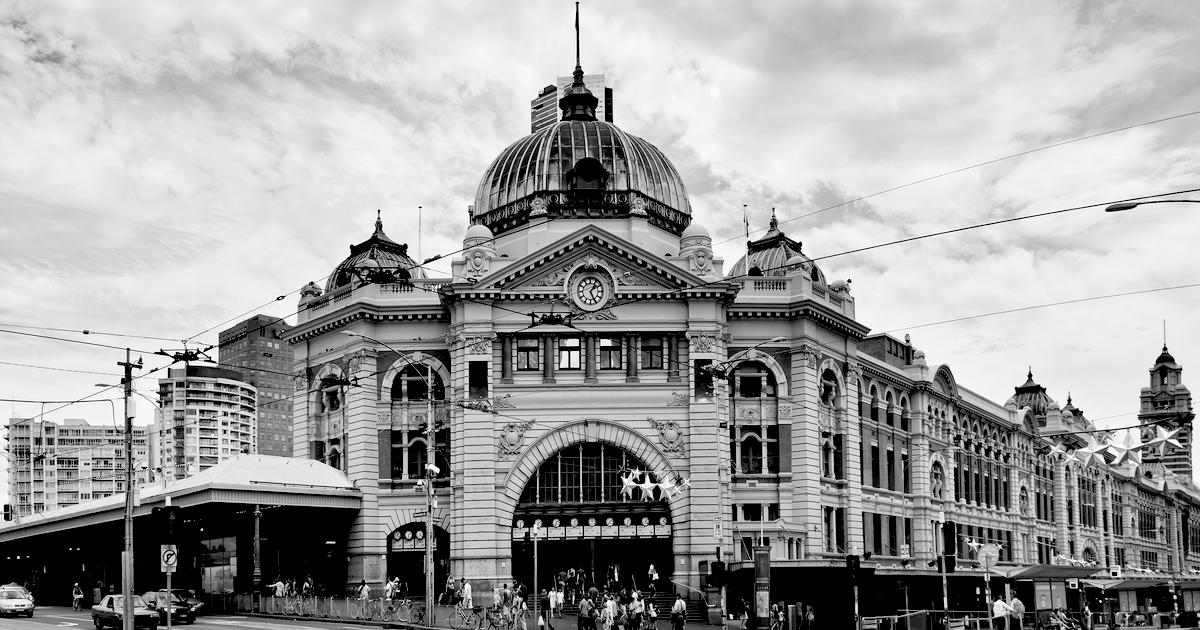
[{"x": 127, "y": 557}]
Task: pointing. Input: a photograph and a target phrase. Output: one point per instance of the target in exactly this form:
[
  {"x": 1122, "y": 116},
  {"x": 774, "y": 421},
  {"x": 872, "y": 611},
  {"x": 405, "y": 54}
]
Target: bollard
[{"x": 793, "y": 621}]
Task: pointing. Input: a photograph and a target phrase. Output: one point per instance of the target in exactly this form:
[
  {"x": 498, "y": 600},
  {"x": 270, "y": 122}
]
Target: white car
[{"x": 14, "y": 602}]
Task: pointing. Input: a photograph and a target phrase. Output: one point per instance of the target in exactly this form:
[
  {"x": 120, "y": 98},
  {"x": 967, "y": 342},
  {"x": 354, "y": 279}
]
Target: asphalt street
[{"x": 64, "y": 617}]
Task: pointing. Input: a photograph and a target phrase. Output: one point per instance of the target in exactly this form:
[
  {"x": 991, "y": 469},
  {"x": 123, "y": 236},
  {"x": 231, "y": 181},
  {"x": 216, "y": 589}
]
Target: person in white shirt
[
  {"x": 1000, "y": 612},
  {"x": 466, "y": 594},
  {"x": 678, "y": 611},
  {"x": 279, "y": 587},
  {"x": 364, "y": 591}
]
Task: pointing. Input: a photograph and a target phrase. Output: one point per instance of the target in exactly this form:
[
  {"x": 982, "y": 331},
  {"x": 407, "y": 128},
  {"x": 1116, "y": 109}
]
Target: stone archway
[
  {"x": 765, "y": 358},
  {"x": 586, "y": 430},
  {"x": 417, "y": 358}
]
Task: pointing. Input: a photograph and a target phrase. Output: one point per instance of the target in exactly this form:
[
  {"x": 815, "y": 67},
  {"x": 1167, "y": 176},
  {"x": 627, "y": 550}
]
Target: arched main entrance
[
  {"x": 587, "y": 522},
  {"x": 406, "y": 557}
]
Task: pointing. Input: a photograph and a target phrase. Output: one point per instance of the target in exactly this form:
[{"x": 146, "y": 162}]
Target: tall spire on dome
[
  {"x": 378, "y": 222},
  {"x": 578, "y": 103}
]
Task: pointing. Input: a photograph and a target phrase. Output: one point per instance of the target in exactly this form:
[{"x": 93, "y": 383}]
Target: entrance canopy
[
  {"x": 245, "y": 479},
  {"x": 1045, "y": 572}
]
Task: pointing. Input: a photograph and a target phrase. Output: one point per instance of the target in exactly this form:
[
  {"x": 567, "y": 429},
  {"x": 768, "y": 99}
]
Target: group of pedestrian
[{"x": 292, "y": 587}]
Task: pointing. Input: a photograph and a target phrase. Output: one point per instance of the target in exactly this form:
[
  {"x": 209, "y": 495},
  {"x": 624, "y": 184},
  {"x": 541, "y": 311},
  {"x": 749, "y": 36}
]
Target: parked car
[
  {"x": 178, "y": 607},
  {"x": 108, "y": 613},
  {"x": 15, "y": 602},
  {"x": 198, "y": 607}
]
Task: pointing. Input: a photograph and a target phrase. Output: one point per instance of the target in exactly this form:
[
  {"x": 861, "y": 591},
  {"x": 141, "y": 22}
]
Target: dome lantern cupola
[
  {"x": 775, "y": 255},
  {"x": 378, "y": 253}
]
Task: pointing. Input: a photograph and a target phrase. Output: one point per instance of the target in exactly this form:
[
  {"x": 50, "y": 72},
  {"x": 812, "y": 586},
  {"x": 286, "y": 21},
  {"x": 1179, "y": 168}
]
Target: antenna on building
[
  {"x": 418, "y": 232},
  {"x": 577, "y": 64}
]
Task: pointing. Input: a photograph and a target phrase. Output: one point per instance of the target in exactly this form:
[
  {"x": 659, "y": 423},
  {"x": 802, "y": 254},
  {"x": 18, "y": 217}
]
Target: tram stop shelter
[{"x": 239, "y": 525}]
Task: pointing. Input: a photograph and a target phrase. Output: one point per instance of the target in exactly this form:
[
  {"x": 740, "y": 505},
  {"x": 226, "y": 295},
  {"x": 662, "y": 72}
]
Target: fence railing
[
  {"x": 929, "y": 620},
  {"x": 402, "y": 610}
]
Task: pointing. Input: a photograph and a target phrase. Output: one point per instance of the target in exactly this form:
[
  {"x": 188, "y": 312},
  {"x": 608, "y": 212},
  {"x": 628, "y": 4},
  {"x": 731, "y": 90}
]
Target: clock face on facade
[{"x": 589, "y": 291}]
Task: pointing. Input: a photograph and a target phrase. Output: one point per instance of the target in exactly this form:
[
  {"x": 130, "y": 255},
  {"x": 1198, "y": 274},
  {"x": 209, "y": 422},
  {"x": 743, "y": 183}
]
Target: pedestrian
[
  {"x": 1018, "y": 612},
  {"x": 555, "y": 602},
  {"x": 678, "y": 612},
  {"x": 635, "y": 610},
  {"x": 1087, "y": 617},
  {"x": 571, "y": 582},
  {"x": 506, "y": 602},
  {"x": 584, "y": 615},
  {"x": 278, "y": 588},
  {"x": 1000, "y": 613},
  {"x": 389, "y": 590},
  {"x": 546, "y": 606},
  {"x": 652, "y": 574},
  {"x": 465, "y": 593},
  {"x": 521, "y": 611}
]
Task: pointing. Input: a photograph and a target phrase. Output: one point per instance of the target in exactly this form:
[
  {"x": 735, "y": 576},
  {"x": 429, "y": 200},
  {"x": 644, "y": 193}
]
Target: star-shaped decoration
[
  {"x": 1057, "y": 452},
  {"x": 1092, "y": 452},
  {"x": 636, "y": 473},
  {"x": 668, "y": 487},
  {"x": 1166, "y": 437},
  {"x": 686, "y": 484},
  {"x": 974, "y": 544},
  {"x": 1128, "y": 449},
  {"x": 647, "y": 487},
  {"x": 627, "y": 486}
]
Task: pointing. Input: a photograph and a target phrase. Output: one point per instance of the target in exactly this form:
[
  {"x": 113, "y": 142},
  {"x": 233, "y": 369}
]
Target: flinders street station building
[{"x": 591, "y": 370}]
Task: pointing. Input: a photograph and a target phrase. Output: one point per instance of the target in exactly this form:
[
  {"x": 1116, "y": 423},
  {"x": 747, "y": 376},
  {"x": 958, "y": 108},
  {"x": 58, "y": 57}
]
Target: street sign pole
[
  {"x": 168, "y": 558},
  {"x": 536, "y": 598}
]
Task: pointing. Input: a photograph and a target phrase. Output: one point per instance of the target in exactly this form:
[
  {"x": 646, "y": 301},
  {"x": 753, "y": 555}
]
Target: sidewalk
[{"x": 568, "y": 622}]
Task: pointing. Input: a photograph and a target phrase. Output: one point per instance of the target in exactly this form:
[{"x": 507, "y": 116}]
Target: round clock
[{"x": 589, "y": 292}]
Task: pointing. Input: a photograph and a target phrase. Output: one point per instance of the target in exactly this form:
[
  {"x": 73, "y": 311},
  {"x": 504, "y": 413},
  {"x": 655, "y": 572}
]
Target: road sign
[
  {"x": 716, "y": 530},
  {"x": 168, "y": 558},
  {"x": 904, "y": 550}
]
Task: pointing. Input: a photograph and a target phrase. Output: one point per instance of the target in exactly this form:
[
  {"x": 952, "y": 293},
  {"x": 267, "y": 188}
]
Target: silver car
[{"x": 15, "y": 602}]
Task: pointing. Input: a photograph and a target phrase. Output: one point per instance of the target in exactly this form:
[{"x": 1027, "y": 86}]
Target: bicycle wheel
[
  {"x": 456, "y": 619},
  {"x": 403, "y": 610}
]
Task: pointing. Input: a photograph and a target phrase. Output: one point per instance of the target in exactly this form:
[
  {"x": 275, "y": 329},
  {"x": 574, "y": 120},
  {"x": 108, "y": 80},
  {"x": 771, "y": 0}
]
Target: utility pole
[
  {"x": 127, "y": 559},
  {"x": 430, "y": 433}
]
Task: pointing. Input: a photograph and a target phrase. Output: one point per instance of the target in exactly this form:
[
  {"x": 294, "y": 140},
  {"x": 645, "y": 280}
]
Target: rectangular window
[
  {"x": 752, "y": 511},
  {"x": 907, "y": 487},
  {"x": 891, "y": 469},
  {"x": 568, "y": 353},
  {"x": 893, "y": 529},
  {"x": 772, "y": 511},
  {"x": 704, "y": 378},
  {"x": 478, "y": 378},
  {"x": 877, "y": 530},
  {"x": 652, "y": 353},
  {"x": 610, "y": 353},
  {"x": 527, "y": 354},
  {"x": 875, "y": 465}
]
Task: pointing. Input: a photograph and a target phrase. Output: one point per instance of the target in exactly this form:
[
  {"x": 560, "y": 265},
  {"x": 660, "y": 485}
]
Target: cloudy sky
[{"x": 165, "y": 167}]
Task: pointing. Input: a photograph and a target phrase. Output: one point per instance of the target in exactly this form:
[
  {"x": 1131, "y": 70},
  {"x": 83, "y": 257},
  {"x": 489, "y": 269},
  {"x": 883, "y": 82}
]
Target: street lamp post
[
  {"x": 1129, "y": 205},
  {"x": 430, "y": 473}
]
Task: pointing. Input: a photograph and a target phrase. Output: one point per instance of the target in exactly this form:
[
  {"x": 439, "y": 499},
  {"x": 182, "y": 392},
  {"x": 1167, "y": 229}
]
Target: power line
[
  {"x": 86, "y": 343},
  {"x": 967, "y": 168},
  {"x": 1037, "y": 306},
  {"x": 58, "y": 369}
]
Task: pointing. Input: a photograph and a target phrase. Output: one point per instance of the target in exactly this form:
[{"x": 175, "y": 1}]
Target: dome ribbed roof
[
  {"x": 386, "y": 252},
  {"x": 775, "y": 255},
  {"x": 548, "y": 170}
]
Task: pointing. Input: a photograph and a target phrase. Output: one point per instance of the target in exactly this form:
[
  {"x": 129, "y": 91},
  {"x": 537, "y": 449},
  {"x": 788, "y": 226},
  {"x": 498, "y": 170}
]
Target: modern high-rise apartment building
[
  {"x": 59, "y": 464},
  {"x": 207, "y": 415},
  {"x": 543, "y": 110},
  {"x": 253, "y": 347}
]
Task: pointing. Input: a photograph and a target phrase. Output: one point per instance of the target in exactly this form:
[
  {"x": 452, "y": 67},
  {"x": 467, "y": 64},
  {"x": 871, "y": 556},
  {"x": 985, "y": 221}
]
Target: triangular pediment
[{"x": 632, "y": 268}]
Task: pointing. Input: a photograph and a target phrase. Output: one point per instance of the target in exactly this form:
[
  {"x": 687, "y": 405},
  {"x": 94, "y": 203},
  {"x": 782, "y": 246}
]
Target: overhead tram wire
[
  {"x": 1037, "y": 306},
  {"x": 79, "y": 341},
  {"x": 58, "y": 369},
  {"x": 973, "y": 166}
]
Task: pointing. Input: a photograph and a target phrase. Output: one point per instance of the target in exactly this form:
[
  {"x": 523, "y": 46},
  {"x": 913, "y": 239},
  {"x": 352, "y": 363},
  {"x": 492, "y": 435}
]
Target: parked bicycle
[
  {"x": 493, "y": 617},
  {"x": 464, "y": 617}
]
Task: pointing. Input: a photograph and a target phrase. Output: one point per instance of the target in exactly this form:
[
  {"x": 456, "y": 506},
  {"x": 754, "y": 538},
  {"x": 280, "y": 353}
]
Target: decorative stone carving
[
  {"x": 638, "y": 207},
  {"x": 853, "y": 374},
  {"x": 354, "y": 362},
  {"x": 503, "y": 402},
  {"x": 538, "y": 207},
  {"x": 512, "y": 438},
  {"x": 679, "y": 400},
  {"x": 477, "y": 344},
  {"x": 702, "y": 342},
  {"x": 300, "y": 380},
  {"x": 1023, "y": 502},
  {"x": 630, "y": 280},
  {"x": 604, "y": 314},
  {"x": 670, "y": 436},
  {"x": 785, "y": 411},
  {"x": 810, "y": 356}
]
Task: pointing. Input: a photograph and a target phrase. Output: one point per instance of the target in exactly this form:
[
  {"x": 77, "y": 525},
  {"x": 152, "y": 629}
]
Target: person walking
[
  {"x": 584, "y": 615},
  {"x": 546, "y": 606},
  {"x": 678, "y": 612},
  {"x": 1000, "y": 613},
  {"x": 76, "y": 598},
  {"x": 652, "y": 575},
  {"x": 1018, "y": 613},
  {"x": 465, "y": 594}
]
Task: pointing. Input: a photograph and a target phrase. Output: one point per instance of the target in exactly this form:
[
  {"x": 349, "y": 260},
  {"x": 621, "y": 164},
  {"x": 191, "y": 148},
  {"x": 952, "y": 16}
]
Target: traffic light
[
  {"x": 165, "y": 519},
  {"x": 852, "y": 563},
  {"x": 8, "y": 514},
  {"x": 717, "y": 576},
  {"x": 950, "y": 544}
]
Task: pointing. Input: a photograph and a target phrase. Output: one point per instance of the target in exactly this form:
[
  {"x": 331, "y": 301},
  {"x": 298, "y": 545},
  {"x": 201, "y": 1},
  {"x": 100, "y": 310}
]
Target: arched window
[
  {"x": 874, "y": 404},
  {"x": 585, "y": 473},
  {"x": 891, "y": 411},
  {"x": 414, "y": 381},
  {"x": 335, "y": 459},
  {"x": 754, "y": 434}
]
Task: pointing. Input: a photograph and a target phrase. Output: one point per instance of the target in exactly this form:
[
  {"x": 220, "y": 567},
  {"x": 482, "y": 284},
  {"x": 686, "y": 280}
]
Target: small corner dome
[
  {"x": 477, "y": 231},
  {"x": 379, "y": 251},
  {"x": 695, "y": 230},
  {"x": 795, "y": 260}
]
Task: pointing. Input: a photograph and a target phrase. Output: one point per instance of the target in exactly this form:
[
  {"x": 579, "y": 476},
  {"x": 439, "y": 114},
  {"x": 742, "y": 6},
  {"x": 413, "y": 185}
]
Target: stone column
[
  {"x": 548, "y": 359},
  {"x": 366, "y": 547},
  {"x": 631, "y": 366},
  {"x": 672, "y": 351},
  {"x": 1060, "y": 505},
  {"x": 589, "y": 372},
  {"x": 506, "y": 358}
]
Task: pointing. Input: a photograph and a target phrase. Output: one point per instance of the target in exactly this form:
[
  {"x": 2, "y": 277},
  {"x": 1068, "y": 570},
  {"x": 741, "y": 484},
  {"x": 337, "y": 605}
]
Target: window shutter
[
  {"x": 385, "y": 453},
  {"x": 785, "y": 448}
]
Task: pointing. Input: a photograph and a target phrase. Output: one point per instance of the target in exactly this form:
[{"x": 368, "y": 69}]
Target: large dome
[{"x": 581, "y": 169}]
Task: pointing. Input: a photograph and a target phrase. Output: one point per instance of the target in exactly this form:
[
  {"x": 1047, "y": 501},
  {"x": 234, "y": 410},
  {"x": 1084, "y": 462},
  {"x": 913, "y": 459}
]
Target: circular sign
[
  {"x": 397, "y": 535},
  {"x": 420, "y": 534},
  {"x": 408, "y": 535},
  {"x": 608, "y": 521},
  {"x": 627, "y": 521},
  {"x": 538, "y": 523},
  {"x": 520, "y": 523},
  {"x": 645, "y": 520},
  {"x": 589, "y": 291},
  {"x": 574, "y": 522},
  {"x": 662, "y": 520},
  {"x": 592, "y": 522},
  {"x": 556, "y": 523}
]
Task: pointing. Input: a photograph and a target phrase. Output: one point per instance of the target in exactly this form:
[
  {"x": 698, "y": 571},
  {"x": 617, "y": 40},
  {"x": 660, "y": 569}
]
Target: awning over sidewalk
[
  {"x": 1124, "y": 585},
  {"x": 1045, "y": 572}
]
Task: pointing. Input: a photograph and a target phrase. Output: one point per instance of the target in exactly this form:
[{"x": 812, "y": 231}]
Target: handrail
[{"x": 698, "y": 592}]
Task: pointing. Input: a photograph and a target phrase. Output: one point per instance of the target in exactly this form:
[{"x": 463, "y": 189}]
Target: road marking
[{"x": 67, "y": 624}]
